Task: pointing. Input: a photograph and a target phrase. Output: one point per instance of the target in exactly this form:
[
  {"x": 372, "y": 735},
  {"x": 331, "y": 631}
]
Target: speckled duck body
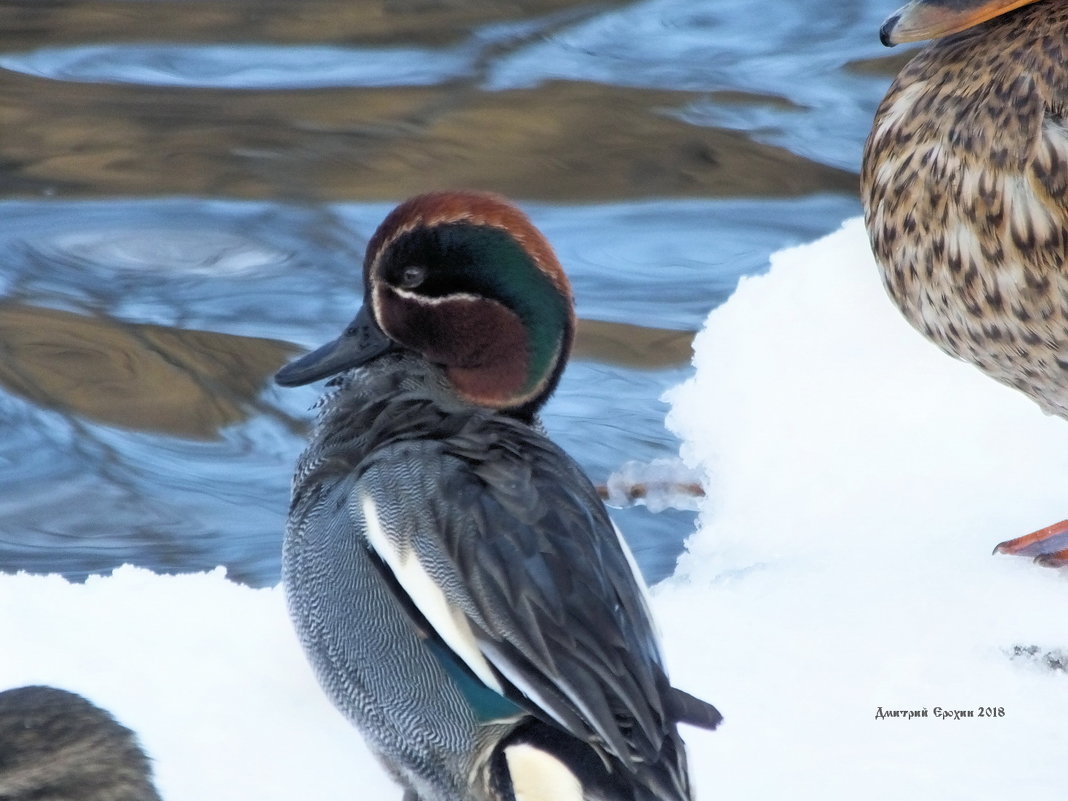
[
  {"x": 456, "y": 582},
  {"x": 965, "y": 188}
]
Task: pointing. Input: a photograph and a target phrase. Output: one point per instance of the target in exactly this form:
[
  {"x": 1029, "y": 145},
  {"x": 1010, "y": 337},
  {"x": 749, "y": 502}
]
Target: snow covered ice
[{"x": 857, "y": 480}]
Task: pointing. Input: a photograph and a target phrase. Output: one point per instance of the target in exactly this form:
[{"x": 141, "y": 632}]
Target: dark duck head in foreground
[
  {"x": 454, "y": 578},
  {"x": 57, "y": 746},
  {"x": 965, "y": 190}
]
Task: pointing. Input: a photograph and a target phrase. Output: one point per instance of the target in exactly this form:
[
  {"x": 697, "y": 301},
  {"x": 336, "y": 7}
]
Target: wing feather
[{"x": 535, "y": 592}]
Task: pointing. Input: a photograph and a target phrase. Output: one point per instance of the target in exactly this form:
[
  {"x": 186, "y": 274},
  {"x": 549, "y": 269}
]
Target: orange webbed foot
[{"x": 1048, "y": 546}]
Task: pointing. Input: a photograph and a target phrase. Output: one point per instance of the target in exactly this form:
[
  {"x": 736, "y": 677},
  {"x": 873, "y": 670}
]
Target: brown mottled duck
[
  {"x": 57, "y": 746},
  {"x": 965, "y": 190}
]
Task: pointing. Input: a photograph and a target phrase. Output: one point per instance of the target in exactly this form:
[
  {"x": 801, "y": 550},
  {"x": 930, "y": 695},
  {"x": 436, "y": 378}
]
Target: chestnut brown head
[{"x": 465, "y": 280}]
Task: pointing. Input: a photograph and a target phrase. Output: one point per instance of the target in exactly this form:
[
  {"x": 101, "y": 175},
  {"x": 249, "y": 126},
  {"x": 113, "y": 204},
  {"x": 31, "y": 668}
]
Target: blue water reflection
[
  {"x": 204, "y": 292},
  {"x": 81, "y": 493},
  {"x": 789, "y": 50},
  {"x": 239, "y": 66}
]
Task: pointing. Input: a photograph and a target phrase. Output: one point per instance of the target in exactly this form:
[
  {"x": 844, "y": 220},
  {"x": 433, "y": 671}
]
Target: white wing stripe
[
  {"x": 449, "y": 622},
  {"x": 643, "y": 588}
]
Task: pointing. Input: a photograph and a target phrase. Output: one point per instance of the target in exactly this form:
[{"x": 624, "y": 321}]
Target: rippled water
[{"x": 185, "y": 193}]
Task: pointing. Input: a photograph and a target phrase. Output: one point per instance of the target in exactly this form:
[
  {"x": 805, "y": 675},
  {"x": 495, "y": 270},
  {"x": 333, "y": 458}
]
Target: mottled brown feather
[{"x": 963, "y": 183}]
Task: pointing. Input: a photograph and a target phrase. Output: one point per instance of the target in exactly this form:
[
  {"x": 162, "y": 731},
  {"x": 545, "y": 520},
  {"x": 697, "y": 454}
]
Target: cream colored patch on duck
[
  {"x": 887, "y": 170},
  {"x": 448, "y": 621},
  {"x": 1030, "y": 217},
  {"x": 962, "y": 243},
  {"x": 969, "y": 187},
  {"x": 901, "y": 111},
  {"x": 1055, "y": 139},
  {"x": 539, "y": 776}
]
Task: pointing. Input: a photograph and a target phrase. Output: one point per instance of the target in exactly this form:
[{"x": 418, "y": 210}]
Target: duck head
[
  {"x": 933, "y": 19},
  {"x": 465, "y": 280}
]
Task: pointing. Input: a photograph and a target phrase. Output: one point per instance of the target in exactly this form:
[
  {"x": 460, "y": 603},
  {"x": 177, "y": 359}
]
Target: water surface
[{"x": 186, "y": 190}]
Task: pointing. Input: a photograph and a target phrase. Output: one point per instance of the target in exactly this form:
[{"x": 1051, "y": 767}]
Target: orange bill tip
[{"x": 932, "y": 19}]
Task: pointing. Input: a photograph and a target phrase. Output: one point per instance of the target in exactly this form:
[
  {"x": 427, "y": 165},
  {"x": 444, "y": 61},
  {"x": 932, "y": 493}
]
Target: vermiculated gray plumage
[{"x": 516, "y": 538}]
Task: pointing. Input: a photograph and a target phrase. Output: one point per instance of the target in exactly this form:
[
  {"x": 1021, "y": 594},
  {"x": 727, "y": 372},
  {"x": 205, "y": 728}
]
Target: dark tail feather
[{"x": 685, "y": 708}]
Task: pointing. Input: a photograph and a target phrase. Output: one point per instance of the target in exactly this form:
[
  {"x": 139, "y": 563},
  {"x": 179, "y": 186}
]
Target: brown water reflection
[
  {"x": 36, "y": 22},
  {"x": 562, "y": 140},
  {"x": 632, "y": 345},
  {"x": 147, "y": 377},
  {"x": 559, "y": 141},
  {"x": 189, "y": 383},
  {"x": 191, "y": 465}
]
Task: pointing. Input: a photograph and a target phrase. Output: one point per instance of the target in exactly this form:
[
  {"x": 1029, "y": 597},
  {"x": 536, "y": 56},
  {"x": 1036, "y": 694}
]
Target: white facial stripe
[
  {"x": 448, "y": 621},
  {"x": 539, "y": 776},
  {"x": 376, "y": 306},
  {"x": 429, "y": 301}
]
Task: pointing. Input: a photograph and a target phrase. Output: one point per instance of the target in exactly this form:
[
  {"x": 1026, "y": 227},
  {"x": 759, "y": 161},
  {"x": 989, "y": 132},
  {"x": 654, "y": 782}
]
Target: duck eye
[{"x": 412, "y": 276}]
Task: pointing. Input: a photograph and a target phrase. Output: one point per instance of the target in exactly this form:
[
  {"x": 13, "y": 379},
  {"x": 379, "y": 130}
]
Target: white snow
[{"x": 857, "y": 481}]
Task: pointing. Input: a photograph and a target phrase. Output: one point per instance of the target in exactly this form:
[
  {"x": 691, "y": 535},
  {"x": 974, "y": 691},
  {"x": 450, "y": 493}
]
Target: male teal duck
[
  {"x": 57, "y": 746},
  {"x": 965, "y": 190},
  {"x": 456, "y": 582}
]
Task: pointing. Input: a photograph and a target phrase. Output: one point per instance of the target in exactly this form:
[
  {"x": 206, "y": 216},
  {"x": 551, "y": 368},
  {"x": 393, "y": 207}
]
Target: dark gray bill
[{"x": 361, "y": 342}]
